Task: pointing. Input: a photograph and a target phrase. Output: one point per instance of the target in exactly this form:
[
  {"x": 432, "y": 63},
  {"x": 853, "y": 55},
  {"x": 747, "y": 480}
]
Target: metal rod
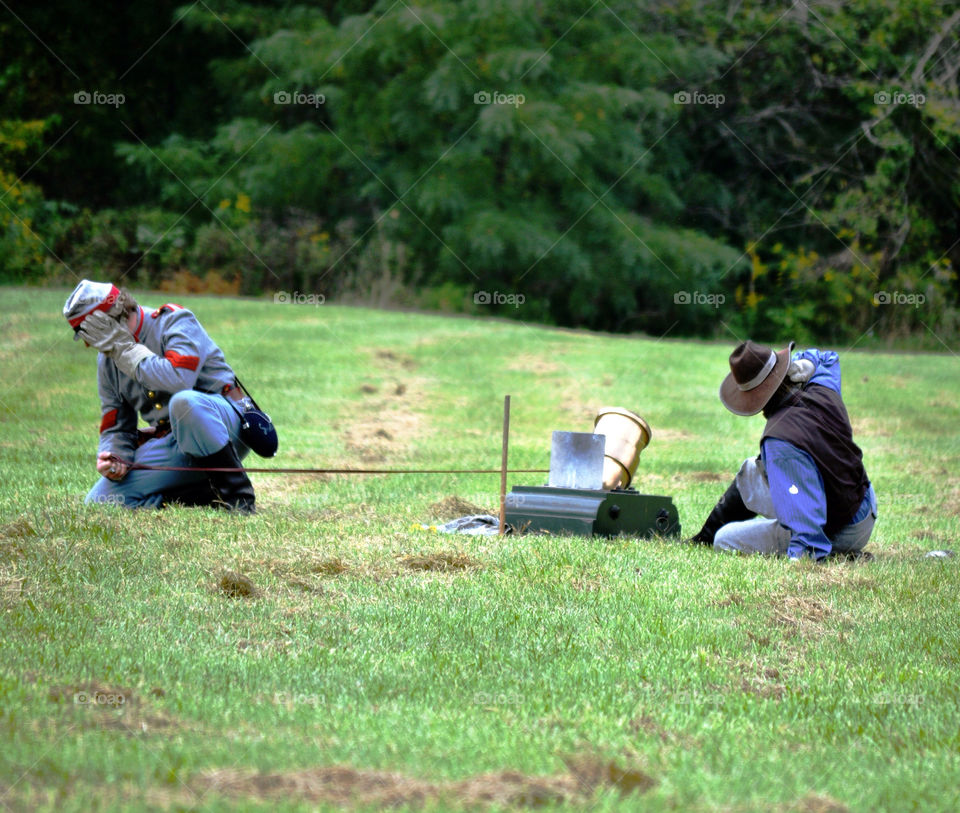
[{"x": 503, "y": 464}]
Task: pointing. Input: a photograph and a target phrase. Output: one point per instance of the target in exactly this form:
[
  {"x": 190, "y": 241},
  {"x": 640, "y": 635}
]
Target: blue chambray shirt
[{"x": 796, "y": 486}]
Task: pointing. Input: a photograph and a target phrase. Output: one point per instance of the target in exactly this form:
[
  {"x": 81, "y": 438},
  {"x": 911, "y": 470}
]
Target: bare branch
[{"x": 933, "y": 45}]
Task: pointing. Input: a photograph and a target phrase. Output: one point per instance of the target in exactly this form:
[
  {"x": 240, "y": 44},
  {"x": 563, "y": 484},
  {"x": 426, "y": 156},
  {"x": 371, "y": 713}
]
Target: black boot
[
  {"x": 730, "y": 508},
  {"x": 233, "y": 488},
  {"x": 192, "y": 495}
]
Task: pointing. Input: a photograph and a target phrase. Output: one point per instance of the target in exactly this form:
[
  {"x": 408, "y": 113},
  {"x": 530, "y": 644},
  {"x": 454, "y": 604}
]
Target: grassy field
[{"x": 378, "y": 664}]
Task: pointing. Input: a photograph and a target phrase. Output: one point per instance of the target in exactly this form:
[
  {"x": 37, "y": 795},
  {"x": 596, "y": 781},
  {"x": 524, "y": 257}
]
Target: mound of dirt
[
  {"x": 453, "y": 507},
  {"x": 443, "y": 561},
  {"x": 236, "y": 585},
  {"x": 592, "y": 772}
]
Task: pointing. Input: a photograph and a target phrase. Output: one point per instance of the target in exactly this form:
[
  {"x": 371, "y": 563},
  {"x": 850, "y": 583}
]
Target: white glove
[
  {"x": 128, "y": 356},
  {"x": 799, "y": 371},
  {"x": 112, "y": 339},
  {"x": 102, "y": 332}
]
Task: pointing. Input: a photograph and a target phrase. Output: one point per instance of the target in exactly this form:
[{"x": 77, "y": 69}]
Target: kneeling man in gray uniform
[{"x": 162, "y": 366}]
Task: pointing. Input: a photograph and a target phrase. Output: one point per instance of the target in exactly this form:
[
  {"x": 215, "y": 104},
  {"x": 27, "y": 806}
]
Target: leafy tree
[{"x": 680, "y": 166}]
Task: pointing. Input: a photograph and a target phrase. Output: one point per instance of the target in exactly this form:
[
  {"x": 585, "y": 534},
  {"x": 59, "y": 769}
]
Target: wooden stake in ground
[{"x": 503, "y": 465}]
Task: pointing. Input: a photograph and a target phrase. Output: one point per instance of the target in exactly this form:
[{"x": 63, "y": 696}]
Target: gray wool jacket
[{"x": 186, "y": 359}]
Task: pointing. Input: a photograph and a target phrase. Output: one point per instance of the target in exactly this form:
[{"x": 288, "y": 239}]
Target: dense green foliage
[
  {"x": 683, "y": 167},
  {"x": 734, "y": 683}
]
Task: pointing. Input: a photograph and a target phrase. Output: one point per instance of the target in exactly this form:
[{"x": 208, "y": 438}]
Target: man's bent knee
[
  {"x": 106, "y": 492},
  {"x": 183, "y": 405},
  {"x": 764, "y": 536}
]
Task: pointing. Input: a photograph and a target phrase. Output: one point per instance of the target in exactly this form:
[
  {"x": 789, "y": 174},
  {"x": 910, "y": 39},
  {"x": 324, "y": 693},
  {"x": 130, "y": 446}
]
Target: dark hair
[{"x": 124, "y": 306}]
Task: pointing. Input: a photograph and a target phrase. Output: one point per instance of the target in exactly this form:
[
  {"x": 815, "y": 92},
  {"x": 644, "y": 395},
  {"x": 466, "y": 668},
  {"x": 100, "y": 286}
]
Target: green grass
[{"x": 734, "y": 683}]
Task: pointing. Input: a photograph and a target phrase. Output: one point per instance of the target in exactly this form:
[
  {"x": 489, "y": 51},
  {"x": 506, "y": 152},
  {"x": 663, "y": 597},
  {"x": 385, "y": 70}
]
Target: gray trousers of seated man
[{"x": 764, "y": 533}]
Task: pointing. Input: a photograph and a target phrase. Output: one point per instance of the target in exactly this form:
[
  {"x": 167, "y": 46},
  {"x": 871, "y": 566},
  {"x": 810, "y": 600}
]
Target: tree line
[{"x": 676, "y": 167}]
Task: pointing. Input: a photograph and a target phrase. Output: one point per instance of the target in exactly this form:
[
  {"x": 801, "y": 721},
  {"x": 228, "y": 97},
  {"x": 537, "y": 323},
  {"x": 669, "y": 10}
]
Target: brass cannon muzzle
[{"x": 627, "y": 435}]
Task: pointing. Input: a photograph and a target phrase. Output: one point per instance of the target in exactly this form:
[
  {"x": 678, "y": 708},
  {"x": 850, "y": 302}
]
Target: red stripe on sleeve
[
  {"x": 164, "y": 308},
  {"x": 187, "y": 362},
  {"x": 109, "y": 419}
]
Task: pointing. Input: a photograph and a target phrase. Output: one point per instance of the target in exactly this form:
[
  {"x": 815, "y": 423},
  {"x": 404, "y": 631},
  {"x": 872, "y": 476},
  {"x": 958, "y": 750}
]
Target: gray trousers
[{"x": 765, "y": 534}]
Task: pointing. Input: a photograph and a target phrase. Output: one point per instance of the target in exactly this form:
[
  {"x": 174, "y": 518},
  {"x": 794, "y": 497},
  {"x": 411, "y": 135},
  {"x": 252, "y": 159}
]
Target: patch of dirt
[
  {"x": 13, "y": 538},
  {"x": 443, "y": 561},
  {"x": 20, "y": 528},
  {"x": 759, "y": 640},
  {"x": 306, "y": 586},
  {"x": 670, "y": 434},
  {"x": 513, "y": 789},
  {"x": 925, "y": 535},
  {"x": 765, "y": 691},
  {"x": 279, "y": 486},
  {"x": 454, "y": 507},
  {"x": 91, "y": 694},
  {"x": 817, "y": 803},
  {"x": 530, "y": 363},
  {"x": 795, "y": 611},
  {"x": 592, "y": 772},
  {"x": 707, "y": 476},
  {"x": 396, "y": 359},
  {"x": 329, "y": 567},
  {"x": 382, "y": 435},
  {"x": 866, "y": 426},
  {"x": 11, "y": 589},
  {"x": 646, "y": 725},
  {"x": 759, "y": 679},
  {"x": 345, "y": 786},
  {"x": 303, "y": 574},
  {"x": 849, "y": 578},
  {"x": 380, "y": 429},
  {"x": 112, "y": 708},
  {"x": 236, "y": 585},
  {"x": 732, "y": 600}
]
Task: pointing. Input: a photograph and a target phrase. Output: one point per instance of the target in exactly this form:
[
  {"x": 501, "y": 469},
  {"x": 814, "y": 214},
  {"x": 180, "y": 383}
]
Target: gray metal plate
[{"x": 576, "y": 460}]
